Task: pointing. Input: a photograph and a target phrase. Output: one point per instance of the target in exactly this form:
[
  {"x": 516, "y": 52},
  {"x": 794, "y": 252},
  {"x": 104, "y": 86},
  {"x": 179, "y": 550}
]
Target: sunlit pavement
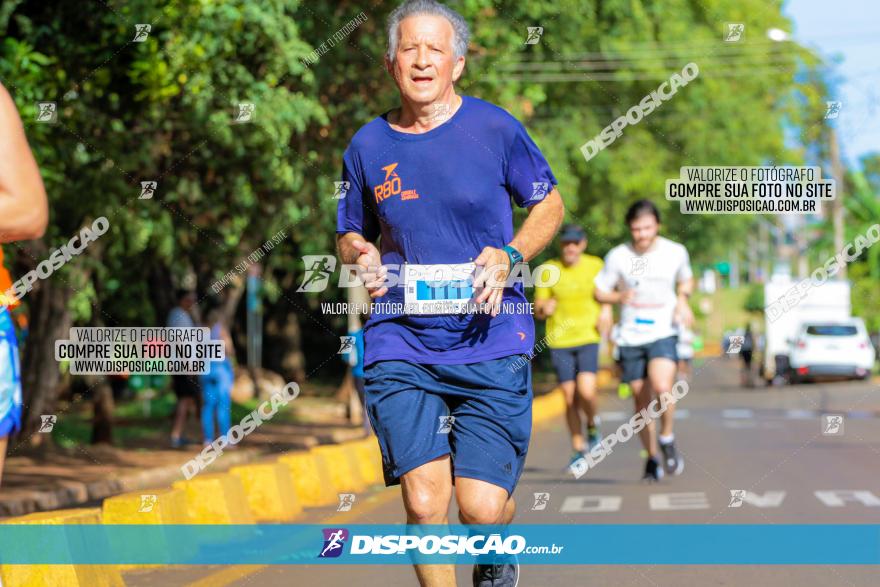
[{"x": 766, "y": 441}]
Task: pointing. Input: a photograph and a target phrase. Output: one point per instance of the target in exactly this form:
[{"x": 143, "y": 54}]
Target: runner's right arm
[
  {"x": 354, "y": 249},
  {"x": 24, "y": 211}
]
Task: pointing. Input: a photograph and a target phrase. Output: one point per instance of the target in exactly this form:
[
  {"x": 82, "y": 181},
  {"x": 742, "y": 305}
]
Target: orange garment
[{"x": 5, "y": 285}]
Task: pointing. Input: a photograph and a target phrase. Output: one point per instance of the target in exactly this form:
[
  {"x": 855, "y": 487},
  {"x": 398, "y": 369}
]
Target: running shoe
[
  {"x": 623, "y": 391},
  {"x": 672, "y": 461},
  {"x": 506, "y": 575},
  {"x": 653, "y": 470},
  {"x": 593, "y": 438}
]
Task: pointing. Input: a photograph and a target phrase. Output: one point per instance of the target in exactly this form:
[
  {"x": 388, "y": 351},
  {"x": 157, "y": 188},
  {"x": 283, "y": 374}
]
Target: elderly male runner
[
  {"x": 434, "y": 179},
  {"x": 651, "y": 279}
]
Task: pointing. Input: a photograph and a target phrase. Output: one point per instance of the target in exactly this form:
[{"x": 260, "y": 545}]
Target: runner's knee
[
  {"x": 424, "y": 506},
  {"x": 482, "y": 509}
]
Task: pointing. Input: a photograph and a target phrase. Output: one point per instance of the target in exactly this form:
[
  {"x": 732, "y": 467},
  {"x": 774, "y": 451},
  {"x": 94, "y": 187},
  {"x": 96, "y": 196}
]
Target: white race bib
[{"x": 438, "y": 289}]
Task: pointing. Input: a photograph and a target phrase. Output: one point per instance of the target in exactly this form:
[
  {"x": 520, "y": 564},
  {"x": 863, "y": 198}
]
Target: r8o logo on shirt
[{"x": 387, "y": 189}]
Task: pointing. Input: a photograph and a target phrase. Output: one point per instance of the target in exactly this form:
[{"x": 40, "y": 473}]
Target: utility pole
[{"x": 837, "y": 209}]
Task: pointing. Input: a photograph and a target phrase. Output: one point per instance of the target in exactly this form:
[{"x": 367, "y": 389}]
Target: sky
[{"x": 848, "y": 30}]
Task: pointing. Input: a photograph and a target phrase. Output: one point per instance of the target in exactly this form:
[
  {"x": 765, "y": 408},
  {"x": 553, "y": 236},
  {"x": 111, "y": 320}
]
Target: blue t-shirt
[{"x": 441, "y": 197}]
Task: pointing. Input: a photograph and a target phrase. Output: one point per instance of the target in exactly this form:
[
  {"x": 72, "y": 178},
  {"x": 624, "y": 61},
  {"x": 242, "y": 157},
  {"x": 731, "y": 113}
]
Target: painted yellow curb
[
  {"x": 269, "y": 490},
  {"x": 148, "y": 506},
  {"x": 137, "y": 507},
  {"x": 369, "y": 460},
  {"x": 548, "y": 406},
  {"x": 217, "y": 498},
  {"x": 60, "y": 575},
  {"x": 311, "y": 478},
  {"x": 344, "y": 469}
]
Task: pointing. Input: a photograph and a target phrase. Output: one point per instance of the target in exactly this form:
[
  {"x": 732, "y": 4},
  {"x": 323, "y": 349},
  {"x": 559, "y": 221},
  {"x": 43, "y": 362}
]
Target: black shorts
[
  {"x": 186, "y": 386},
  {"x": 634, "y": 359},
  {"x": 746, "y": 357},
  {"x": 568, "y": 362}
]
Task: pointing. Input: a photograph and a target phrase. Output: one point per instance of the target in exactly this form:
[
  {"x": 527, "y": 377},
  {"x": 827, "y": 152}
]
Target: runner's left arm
[
  {"x": 537, "y": 231},
  {"x": 685, "y": 286},
  {"x": 24, "y": 211}
]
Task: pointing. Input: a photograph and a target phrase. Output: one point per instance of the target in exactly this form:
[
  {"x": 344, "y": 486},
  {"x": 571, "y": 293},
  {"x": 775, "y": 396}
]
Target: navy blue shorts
[
  {"x": 570, "y": 361},
  {"x": 634, "y": 359},
  {"x": 490, "y": 403}
]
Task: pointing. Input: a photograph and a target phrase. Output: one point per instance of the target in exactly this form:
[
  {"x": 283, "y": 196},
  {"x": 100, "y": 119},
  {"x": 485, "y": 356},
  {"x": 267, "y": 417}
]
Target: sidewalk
[{"x": 86, "y": 474}]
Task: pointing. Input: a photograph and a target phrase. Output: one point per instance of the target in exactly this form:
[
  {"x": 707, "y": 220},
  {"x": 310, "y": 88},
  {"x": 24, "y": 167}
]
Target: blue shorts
[
  {"x": 10, "y": 377},
  {"x": 634, "y": 359},
  {"x": 568, "y": 362},
  {"x": 491, "y": 407}
]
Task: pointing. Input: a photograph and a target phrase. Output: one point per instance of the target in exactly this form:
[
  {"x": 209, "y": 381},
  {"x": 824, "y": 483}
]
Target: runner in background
[
  {"x": 746, "y": 375},
  {"x": 216, "y": 385},
  {"x": 186, "y": 387},
  {"x": 573, "y": 334},
  {"x": 24, "y": 214},
  {"x": 651, "y": 279}
]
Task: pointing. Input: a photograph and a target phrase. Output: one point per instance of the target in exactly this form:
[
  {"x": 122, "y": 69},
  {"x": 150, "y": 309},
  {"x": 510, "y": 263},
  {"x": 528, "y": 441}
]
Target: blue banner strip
[{"x": 611, "y": 544}]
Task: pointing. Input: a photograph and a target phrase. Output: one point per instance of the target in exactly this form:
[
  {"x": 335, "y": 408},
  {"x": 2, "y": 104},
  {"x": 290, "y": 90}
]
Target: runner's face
[
  {"x": 571, "y": 250},
  {"x": 644, "y": 230},
  {"x": 425, "y": 66}
]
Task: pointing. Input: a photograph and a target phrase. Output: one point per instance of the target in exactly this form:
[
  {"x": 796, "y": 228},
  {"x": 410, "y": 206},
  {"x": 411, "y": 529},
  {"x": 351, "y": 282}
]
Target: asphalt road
[{"x": 769, "y": 442}]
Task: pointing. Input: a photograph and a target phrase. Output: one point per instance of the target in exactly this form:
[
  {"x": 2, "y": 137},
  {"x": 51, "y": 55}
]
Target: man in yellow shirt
[{"x": 575, "y": 325}]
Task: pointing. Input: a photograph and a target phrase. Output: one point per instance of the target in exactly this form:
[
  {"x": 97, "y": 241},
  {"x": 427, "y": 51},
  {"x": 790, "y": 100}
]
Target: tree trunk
[
  {"x": 102, "y": 410},
  {"x": 49, "y": 321},
  {"x": 282, "y": 335}
]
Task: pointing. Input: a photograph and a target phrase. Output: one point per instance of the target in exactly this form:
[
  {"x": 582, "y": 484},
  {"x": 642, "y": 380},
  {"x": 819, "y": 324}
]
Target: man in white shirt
[{"x": 651, "y": 279}]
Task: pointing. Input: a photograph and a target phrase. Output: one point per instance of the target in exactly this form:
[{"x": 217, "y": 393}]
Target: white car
[{"x": 839, "y": 348}]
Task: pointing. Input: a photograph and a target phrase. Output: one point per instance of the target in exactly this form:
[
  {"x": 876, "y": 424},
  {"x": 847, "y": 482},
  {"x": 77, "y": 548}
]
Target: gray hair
[{"x": 461, "y": 36}]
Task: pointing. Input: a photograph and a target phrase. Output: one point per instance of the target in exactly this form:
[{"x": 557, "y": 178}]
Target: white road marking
[
  {"x": 737, "y": 413},
  {"x": 590, "y": 504},
  {"x": 694, "y": 500}
]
